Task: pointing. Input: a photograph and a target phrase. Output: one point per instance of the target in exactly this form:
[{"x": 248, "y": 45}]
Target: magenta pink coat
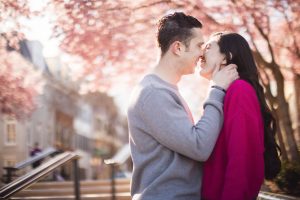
[{"x": 235, "y": 169}]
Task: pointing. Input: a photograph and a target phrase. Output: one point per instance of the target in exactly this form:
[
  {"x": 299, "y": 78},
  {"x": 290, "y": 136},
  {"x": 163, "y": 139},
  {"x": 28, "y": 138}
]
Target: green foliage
[{"x": 288, "y": 179}]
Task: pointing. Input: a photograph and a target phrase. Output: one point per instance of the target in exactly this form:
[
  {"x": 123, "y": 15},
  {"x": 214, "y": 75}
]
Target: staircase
[
  {"x": 89, "y": 190},
  {"x": 98, "y": 190}
]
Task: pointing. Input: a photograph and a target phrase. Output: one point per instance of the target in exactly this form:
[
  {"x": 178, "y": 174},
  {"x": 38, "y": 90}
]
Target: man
[{"x": 165, "y": 144}]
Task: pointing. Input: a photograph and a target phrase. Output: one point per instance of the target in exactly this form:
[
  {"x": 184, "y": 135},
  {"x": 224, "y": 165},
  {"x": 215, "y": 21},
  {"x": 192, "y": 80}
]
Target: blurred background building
[{"x": 87, "y": 124}]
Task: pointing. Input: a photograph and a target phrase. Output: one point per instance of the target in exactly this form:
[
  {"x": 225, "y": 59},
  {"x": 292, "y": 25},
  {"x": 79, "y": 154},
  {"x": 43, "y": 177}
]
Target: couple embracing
[{"x": 230, "y": 150}]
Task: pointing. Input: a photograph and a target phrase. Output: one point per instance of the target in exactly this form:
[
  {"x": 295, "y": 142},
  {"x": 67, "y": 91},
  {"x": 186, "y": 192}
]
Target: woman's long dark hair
[{"x": 237, "y": 51}]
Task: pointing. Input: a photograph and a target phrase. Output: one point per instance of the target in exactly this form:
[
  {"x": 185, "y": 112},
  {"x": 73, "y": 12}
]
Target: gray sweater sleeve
[{"x": 169, "y": 124}]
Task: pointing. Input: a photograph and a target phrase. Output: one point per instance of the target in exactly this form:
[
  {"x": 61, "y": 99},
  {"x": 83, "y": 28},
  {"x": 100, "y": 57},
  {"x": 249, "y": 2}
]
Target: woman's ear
[{"x": 230, "y": 55}]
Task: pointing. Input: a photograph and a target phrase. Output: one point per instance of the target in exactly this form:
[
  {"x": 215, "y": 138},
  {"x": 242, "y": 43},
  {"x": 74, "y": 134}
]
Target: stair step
[
  {"x": 89, "y": 190},
  {"x": 119, "y": 196},
  {"x": 70, "y": 191},
  {"x": 70, "y": 184}
]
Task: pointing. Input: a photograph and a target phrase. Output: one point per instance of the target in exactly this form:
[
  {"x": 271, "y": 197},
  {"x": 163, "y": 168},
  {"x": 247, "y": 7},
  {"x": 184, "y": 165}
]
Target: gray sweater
[{"x": 166, "y": 146}]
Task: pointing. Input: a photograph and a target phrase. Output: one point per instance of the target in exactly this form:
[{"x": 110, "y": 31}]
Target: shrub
[{"x": 288, "y": 179}]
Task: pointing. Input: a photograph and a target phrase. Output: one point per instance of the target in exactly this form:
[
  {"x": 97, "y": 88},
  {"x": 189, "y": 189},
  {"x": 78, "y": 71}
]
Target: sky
[{"x": 40, "y": 29}]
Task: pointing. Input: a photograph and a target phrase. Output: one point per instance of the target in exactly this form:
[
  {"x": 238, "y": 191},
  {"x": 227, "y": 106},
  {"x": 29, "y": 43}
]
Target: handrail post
[
  {"x": 119, "y": 158},
  {"x": 9, "y": 174},
  {"x": 113, "y": 183},
  {"x": 33, "y": 176},
  {"x": 76, "y": 179}
]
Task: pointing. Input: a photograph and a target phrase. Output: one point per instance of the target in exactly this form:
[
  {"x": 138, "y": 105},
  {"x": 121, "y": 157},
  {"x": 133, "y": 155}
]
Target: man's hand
[{"x": 224, "y": 77}]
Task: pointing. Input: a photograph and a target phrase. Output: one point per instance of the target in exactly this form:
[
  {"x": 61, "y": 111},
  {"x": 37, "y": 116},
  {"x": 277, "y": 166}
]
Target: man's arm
[{"x": 169, "y": 124}]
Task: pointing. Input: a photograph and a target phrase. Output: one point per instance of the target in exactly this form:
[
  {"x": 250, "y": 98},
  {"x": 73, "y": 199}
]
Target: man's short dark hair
[{"x": 176, "y": 27}]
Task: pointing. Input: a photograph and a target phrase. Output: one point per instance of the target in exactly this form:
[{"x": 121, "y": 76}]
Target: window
[
  {"x": 9, "y": 162},
  {"x": 10, "y": 131}
]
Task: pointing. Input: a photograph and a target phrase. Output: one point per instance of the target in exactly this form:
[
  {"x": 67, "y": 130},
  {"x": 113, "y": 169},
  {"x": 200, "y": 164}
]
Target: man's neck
[{"x": 167, "y": 71}]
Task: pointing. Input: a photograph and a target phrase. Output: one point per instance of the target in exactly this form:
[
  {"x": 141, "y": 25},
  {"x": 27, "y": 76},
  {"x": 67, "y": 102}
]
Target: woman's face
[{"x": 211, "y": 58}]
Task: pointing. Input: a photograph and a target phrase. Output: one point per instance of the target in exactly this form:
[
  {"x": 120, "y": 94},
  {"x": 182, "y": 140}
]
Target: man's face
[{"x": 192, "y": 52}]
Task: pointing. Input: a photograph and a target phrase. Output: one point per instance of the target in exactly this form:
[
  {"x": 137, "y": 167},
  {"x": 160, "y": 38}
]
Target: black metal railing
[
  {"x": 119, "y": 158},
  {"x": 11, "y": 171},
  {"x": 43, "y": 170}
]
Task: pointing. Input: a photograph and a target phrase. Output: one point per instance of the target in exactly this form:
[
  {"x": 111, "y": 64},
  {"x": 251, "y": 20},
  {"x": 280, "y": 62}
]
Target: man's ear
[{"x": 177, "y": 47}]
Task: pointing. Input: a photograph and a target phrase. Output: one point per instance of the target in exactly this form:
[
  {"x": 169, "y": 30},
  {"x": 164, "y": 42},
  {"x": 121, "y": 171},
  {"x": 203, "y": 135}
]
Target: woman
[{"x": 246, "y": 151}]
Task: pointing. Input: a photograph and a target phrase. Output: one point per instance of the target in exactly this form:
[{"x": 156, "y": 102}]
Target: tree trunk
[
  {"x": 282, "y": 145},
  {"x": 284, "y": 155},
  {"x": 283, "y": 112},
  {"x": 284, "y": 115},
  {"x": 273, "y": 101},
  {"x": 297, "y": 96}
]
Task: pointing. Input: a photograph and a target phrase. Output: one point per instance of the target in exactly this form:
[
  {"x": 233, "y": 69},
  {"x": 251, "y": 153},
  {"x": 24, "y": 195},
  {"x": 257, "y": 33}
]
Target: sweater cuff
[{"x": 215, "y": 95}]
